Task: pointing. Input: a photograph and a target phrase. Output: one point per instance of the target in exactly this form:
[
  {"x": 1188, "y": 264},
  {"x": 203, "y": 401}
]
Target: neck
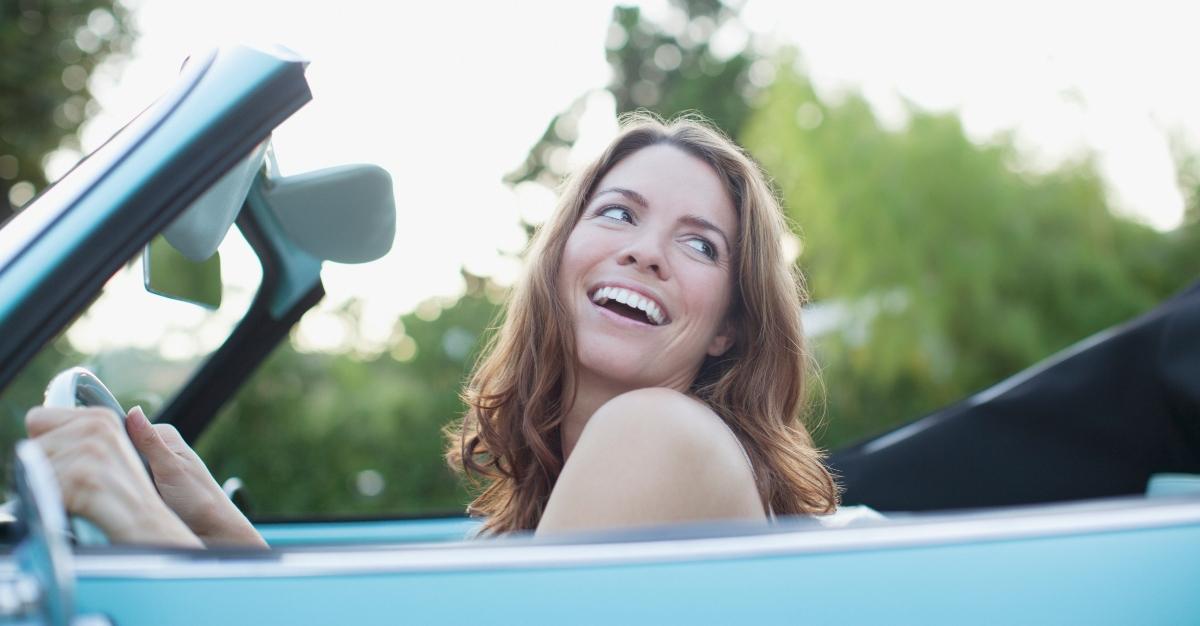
[{"x": 591, "y": 394}]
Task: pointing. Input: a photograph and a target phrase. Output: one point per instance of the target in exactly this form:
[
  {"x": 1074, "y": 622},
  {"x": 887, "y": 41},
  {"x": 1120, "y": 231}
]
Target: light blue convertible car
[{"x": 185, "y": 201}]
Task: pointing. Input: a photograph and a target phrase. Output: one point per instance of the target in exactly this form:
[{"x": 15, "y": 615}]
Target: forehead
[{"x": 676, "y": 182}]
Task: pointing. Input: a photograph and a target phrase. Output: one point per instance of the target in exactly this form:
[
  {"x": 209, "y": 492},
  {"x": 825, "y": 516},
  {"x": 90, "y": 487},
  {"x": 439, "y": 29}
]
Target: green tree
[
  {"x": 1186, "y": 155},
  {"x": 665, "y": 68},
  {"x": 951, "y": 265},
  {"x": 48, "y": 49}
]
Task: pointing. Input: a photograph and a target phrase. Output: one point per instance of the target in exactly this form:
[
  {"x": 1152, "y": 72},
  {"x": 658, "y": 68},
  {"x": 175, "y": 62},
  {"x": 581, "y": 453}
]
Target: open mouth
[{"x": 629, "y": 304}]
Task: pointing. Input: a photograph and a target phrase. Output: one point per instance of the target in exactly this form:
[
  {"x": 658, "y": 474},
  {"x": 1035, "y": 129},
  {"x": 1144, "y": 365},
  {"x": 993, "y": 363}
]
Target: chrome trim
[{"x": 918, "y": 530}]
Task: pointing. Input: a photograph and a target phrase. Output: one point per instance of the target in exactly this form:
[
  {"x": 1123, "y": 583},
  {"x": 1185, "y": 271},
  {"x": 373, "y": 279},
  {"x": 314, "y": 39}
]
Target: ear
[{"x": 722, "y": 341}]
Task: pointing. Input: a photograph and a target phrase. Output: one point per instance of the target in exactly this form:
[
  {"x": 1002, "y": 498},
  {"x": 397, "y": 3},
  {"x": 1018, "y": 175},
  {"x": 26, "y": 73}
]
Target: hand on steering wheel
[
  {"x": 100, "y": 474},
  {"x": 187, "y": 487}
]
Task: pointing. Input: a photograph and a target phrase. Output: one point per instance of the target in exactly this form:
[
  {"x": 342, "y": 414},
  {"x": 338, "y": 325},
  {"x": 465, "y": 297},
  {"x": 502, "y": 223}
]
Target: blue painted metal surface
[
  {"x": 299, "y": 271},
  {"x": 1144, "y": 576},
  {"x": 387, "y": 531}
]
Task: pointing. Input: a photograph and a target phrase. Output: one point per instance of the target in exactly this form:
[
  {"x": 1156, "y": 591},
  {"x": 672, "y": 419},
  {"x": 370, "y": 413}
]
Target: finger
[
  {"x": 99, "y": 495},
  {"x": 62, "y": 444},
  {"x": 93, "y": 460},
  {"x": 79, "y": 484},
  {"x": 96, "y": 438},
  {"x": 145, "y": 436},
  {"x": 170, "y": 436},
  {"x": 101, "y": 484},
  {"x": 42, "y": 419},
  {"x": 91, "y": 438}
]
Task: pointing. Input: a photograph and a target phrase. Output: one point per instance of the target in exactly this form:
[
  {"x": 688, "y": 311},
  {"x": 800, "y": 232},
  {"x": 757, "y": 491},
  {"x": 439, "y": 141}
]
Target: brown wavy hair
[{"x": 509, "y": 442}]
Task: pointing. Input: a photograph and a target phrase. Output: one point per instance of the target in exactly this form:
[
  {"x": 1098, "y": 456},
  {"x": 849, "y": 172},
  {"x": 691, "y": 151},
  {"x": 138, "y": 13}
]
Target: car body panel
[
  {"x": 1118, "y": 562},
  {"x": 385, "y": 531},
  {"x": 298, "y": 271}
]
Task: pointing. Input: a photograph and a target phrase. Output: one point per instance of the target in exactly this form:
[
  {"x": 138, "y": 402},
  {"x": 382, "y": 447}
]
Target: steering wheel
[{"x": 78, "y": 387}]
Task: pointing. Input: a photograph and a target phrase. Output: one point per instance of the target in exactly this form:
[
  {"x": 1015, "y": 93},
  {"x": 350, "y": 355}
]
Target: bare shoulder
[
  {"x": 653, "y": 456},
  {"x": 661, "y": 412}
]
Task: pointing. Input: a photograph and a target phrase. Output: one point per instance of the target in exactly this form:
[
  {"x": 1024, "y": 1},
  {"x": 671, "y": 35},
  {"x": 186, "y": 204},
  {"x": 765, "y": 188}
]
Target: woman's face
[{"x": 646, "y": 272}]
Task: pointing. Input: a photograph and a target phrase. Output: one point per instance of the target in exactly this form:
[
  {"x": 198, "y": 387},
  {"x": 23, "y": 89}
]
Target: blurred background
[{"x": 971, "y": 188}]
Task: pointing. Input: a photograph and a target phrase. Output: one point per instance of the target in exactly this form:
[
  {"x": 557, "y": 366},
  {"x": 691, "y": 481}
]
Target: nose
[{"x": 645, "y": 253}]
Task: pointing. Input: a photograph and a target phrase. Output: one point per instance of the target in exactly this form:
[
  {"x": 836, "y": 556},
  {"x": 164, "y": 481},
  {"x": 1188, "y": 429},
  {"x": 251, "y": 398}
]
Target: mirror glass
[{"x": 169, "y": 273}]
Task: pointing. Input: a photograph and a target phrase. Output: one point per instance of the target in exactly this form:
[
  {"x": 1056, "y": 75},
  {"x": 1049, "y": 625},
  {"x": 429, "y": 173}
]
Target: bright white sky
[{"x": 449, "y": 96}]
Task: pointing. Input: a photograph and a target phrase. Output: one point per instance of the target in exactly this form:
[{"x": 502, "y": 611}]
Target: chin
[{"x": 615, "y": 361}]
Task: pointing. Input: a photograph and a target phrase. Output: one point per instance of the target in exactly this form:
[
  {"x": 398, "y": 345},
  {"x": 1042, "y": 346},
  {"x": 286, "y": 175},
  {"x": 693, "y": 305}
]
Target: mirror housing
[{"x": 345, "y": 214}]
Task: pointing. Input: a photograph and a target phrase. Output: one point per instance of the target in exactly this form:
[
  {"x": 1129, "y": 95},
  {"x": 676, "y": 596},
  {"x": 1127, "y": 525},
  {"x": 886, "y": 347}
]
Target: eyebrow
[
  {"x": 699, "y": 222},
  {"x": 628, "y": 193},
  {"x": 694, "y": 221}
]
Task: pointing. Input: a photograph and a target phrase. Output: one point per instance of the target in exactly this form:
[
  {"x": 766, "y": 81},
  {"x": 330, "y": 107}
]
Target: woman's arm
[
  {"x": 652, "y": 456},
  {"x": 103, "y": 480}
]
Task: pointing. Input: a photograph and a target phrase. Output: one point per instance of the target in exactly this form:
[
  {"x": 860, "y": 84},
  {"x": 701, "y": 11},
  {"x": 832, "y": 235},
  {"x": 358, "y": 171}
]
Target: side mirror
[
  {"x": 169, "y": 273},
  {"x": 344, "y": 214},
  {"x": 182, "y": 263}
]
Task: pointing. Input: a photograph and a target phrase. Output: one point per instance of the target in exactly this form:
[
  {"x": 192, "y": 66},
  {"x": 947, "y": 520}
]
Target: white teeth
[
  {"x": 655, "y": 314},
  {"x": 630, "y": 299}
]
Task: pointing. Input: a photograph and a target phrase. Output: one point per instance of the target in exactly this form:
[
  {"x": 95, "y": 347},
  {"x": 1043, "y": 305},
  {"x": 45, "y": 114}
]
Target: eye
[
  {"x": 703, "y": 246},
  {"x": 618, "y": 213}
]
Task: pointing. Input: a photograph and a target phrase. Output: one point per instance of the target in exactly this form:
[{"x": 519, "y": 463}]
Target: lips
[{"x": 631, "y": 303}]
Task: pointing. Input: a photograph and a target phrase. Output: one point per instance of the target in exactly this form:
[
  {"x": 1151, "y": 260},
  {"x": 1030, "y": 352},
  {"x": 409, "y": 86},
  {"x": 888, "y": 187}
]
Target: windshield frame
[{"x": 133, "y": 188}]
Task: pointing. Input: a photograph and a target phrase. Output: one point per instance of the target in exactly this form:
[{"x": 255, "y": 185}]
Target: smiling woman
[{"x": 651, "y": 365}]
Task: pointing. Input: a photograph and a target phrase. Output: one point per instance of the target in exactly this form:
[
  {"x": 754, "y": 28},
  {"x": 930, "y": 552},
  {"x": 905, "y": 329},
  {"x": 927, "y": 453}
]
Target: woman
[{"x": 650, "y": 368}]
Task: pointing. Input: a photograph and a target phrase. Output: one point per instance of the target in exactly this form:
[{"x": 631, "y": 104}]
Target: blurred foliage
[
  {"x": 668, "y": 68},
  {"x": 950, "y": 265},
  {"x": 48, "y": 50},
  {"x": 27, "y": 390},
  {"x": 302, "y": 433}
]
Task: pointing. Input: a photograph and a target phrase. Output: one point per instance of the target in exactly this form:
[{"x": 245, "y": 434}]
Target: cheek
[
  {"x": 569, "y": 263},
  {"x": 710, "y": 295},
  {"x": 581, "y": 251},
  {"x": 572, "y": 264}
]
